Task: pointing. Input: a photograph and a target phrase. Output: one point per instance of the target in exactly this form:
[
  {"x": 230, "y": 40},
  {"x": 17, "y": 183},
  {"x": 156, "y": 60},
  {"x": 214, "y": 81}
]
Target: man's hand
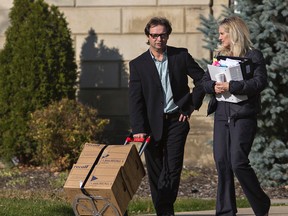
[
  {"x": 139, "y": 135},
  {"x": 183, "y": 118}
]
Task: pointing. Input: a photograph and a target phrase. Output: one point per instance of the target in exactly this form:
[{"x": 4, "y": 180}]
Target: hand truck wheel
[{"x": 88, "y": 205}]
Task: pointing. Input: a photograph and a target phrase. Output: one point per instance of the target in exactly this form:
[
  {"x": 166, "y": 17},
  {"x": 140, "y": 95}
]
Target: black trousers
[
  {"x": 164, "y": 162},
  {"x": 232, "y": 145}
]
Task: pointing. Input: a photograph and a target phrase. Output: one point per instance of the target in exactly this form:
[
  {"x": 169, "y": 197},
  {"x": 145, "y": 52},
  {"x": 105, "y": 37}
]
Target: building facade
[{"x": 108, "y": 34}]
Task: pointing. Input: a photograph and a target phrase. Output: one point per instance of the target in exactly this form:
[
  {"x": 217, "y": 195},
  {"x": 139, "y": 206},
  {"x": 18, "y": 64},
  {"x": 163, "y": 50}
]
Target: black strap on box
[{"x": 91, "y": 170}]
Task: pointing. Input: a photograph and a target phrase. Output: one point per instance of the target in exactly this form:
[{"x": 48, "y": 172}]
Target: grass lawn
[
  {"x": 50, "y": 201},
  {"x": 34, "y": 207},
  {"x": 52, "y": 207}
]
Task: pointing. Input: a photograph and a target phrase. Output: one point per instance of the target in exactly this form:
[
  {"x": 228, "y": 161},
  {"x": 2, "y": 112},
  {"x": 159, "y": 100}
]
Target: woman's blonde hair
[{"x": 239, "y": 36}]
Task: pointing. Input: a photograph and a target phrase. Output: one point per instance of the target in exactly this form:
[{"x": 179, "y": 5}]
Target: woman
[{"x": 235, "y": 124}]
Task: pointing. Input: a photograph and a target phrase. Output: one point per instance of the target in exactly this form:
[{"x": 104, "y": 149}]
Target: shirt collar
[{"x": 164, "y": 55}]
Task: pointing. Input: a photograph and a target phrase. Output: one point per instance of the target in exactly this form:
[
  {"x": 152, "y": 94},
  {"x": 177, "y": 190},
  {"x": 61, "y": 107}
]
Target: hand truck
[{"x": 88, "y": 205}]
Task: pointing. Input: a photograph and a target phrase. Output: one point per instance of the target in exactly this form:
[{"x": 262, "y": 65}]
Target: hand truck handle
[{"x": 144, "y": 140}]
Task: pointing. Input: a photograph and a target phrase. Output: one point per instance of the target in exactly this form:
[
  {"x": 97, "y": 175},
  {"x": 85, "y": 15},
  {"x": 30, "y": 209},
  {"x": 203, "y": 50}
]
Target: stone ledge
[
  {"x": 114, "y": 3},
  {"x": 183, "y": 2},
  {"x": 61, "y": 3}
]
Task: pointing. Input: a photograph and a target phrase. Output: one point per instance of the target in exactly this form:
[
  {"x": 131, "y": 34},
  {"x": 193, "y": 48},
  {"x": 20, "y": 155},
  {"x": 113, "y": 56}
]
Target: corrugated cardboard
[
  {"x": 114, "y": 179},
  {"x": 104, "y": 182},
  {"x": 116, "y": 156}
]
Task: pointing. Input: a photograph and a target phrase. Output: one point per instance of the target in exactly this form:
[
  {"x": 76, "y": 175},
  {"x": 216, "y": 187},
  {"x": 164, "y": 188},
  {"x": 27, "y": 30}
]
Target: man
[{"x": 160, "y": 105}]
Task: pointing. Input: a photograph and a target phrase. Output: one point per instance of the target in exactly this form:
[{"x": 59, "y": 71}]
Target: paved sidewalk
[{"x": 274, "y": 210}]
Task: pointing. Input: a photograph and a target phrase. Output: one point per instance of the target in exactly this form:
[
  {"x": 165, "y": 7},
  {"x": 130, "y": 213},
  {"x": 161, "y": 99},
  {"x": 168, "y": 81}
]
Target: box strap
[{"x": 91, "y": 170}]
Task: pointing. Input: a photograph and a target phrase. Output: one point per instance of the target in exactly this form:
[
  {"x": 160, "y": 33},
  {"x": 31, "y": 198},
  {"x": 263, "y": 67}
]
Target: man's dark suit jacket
[{"x": 146, "y": 100}]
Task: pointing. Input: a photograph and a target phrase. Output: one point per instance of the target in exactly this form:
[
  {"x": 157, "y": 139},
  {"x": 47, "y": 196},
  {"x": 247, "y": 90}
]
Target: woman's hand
[{"x": 221, "y": 87}]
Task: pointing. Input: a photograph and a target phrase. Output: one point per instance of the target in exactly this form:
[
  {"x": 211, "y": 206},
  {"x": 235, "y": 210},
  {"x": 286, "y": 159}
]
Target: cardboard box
[
  {"x": 116, "y": 156},
  {"x": 105, "y": 184},
  {"x": 114, "y": 175}
]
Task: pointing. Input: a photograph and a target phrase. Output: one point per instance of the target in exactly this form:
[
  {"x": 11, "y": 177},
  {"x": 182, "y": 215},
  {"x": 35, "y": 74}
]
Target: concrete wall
[{"x": 107, "y": 34}]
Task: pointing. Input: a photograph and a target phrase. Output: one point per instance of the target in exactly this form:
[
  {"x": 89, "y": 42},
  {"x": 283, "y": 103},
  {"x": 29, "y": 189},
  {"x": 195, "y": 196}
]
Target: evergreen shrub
[
  {"x": 60, "y": 130},
  {"x": 37, "y": 67},
  {"x": 269, "y": 32}
]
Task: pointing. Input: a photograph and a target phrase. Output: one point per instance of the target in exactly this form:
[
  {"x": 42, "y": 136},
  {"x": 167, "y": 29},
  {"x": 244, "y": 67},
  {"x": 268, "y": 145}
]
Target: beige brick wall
[
  {"x": 6, "y": 4},
  {"x": 118, "y": 36},
  {"x": 102, "y": 20},
  {"x": 4, "y": 19},
  {"x": 135, "y": 18},
  {"x": 2, "y": 41},
  {"x": 218, "y": 7}
]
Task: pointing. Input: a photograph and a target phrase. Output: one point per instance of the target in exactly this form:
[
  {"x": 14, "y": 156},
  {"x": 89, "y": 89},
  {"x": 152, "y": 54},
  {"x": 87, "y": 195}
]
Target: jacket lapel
[
  {"x": 171, "y": 59},
  {"x": 151, "y": 68}
]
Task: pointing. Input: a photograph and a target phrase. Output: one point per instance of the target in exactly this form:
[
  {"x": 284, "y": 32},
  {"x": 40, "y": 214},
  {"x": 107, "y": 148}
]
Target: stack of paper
[
  {"x": 229, "y": 62},
  {"x": 232, "y": 71}
]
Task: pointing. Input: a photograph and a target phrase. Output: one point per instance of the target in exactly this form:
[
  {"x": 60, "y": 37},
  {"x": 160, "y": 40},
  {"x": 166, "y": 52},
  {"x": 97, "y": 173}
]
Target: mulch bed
[{"x": 196, "y": 182}]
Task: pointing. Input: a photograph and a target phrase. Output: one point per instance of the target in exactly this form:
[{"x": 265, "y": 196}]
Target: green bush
[
  {"x": 37, "y": 67},
  {"x": 61, "y": 129}
]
